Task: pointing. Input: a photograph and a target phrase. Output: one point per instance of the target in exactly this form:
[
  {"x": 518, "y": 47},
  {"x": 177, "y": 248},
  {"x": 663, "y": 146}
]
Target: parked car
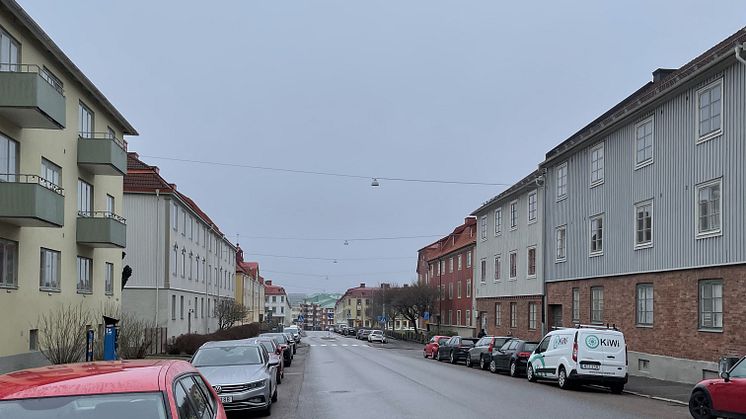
[
  {"x": 377, "y": 336},
  {"x": 295, "y": 331},
  {"x": 362, "y": 334},
  {"x": 431, "y": 347},
  {"x": 512, "y": 357},
  {"x": 480, "y": 353},
  {"x": 282, "y": 340},
  {"x": 242, "y": 374},
  {"x": 455, "y": 349},
  {"x": 292, "y": 341},
  {"x": 584, "y": 355},
  {"x": 720, "y": 397},
  {"x": 275, "y": 353},
  {"x": 111, "y": 390},
  {"x": 350, "y": 331}
]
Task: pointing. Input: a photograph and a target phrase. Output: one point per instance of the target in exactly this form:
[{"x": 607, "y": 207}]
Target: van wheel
[
  {"x": 617, "y": 388},
  {"x": 493, "y": 367},
  {"x": 562, "y": 380},
  {"x": 513, "y": 370},
  {"x": 468, "y": 361},
  {"x": 530, "y": 373}
]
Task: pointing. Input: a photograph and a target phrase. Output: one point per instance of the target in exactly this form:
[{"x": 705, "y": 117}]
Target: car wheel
[
  {"x": 493, "y": 367},
  {"x": 437, "y": 356},
  {"x": 452, "y": 358},
  {"x": 530, "y": 374},
  {"x": 424, "y": 354},
  {"x": 562, "y": 380},
  {"x": 482, "y": 363},
  {"x": 513, "y": 370},
  {"x": 288, "y": 363},
  {"x": 468, "y": 361},
  {"x": 617, "y": 388},
  {"x": 700, "y": 406}
]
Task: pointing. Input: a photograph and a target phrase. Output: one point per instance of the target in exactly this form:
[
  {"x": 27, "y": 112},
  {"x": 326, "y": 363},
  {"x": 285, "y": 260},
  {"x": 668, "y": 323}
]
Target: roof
[
  {"x": 85, "y": 378},
  {"x": 274, "y": 290},
  {"x": 358, "y": 292},
  {"x": 651, "y": 92},
  {"x": 37, "y": 32},
  {"x": 462, "y": 236},
  {"x": 143, "y": 178},
  {"x": 528, "y": 182}
]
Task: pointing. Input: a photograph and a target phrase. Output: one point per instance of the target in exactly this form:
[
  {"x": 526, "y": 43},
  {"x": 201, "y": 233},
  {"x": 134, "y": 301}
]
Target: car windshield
[
  {"x": 108, "y": 406},
  {"x": 227, "y": 355},
  {"x": 278, "y": 338},
  {"x": 529, "y": 347},
  {"x": 739, "y": 370},
  {"x": 267, "y": 345}
]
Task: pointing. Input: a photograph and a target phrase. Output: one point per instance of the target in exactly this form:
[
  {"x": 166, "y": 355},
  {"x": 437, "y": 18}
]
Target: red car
[
  {"x": 112, "y": 390},
  {"x": 431, "y": 348},
  {"x": 721, "y": 396}
]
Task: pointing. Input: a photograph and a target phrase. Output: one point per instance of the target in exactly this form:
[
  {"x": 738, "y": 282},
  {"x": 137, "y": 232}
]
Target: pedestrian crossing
[{"x": 340, "y": 345}]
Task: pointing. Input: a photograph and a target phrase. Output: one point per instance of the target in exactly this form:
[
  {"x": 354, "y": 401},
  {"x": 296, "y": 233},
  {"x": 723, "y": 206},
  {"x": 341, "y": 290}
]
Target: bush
[{"x": 189, "y": 343}]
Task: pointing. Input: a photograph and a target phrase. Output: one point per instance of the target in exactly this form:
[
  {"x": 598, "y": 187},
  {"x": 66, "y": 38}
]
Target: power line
[
  {"x": 332, "y": 174},
  {"x": 334, "y": 275},
  {"x": 326, "y": 259},
  {"x": 348, "y": 239}
]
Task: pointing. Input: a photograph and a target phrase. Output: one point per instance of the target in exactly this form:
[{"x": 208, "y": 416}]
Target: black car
[
  {"x": 512, "y": 357},
  {"x": 350, "y": 331},
  {"x": 455, "y": 349},
  {"x": 362, "y": 334},
  {"x": 282, "y": 340},
  {"x": 480, "y": 353}
]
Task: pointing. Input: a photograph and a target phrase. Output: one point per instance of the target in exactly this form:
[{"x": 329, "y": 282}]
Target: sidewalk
[{"x": 658, "y": 389}]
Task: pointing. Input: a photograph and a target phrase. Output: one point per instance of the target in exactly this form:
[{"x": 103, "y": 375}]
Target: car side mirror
[{"x": 725, "y": 375}]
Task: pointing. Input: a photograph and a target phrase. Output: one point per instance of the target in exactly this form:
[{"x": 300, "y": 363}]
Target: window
[
  {"x": 513, "y": 215},
  {"x": 109, "y": 279},
  {"x": 196, "y": 271},
  {"x": 708, "y": 209},
  {"x": 202, "y": 307},
  {"x": 711, "y": 304},
  {"x": 85, "y": 199},
  {"x": 513, "y": 315},
  {"x": 175, "y": 217},
  {"x": 183, "y": 262},
  {"x": 597, "y": 235},
  {"x": 468, "y": 288},
  {"x": 483, "y": 227},
  {"x": 645, "y": 304},
  {"x": 50, "y": 173},
  {"x": 9, "y": 52},
  {"x": 498, "y": 317},
  {"x": 513, "y": 264},
  {"x": 110, "y": 207},
  {"x": 459, "y": 262},
  {"x": 450, "y": 265},
  {"x": 274, "y": 299},
  {"x": 498, "y": 221},
  {"x": 191, "y": 228},
  {"x": 458, "y": 289},
  {"x": 85, "y": 272},
  {"x": 532, "y": 316},
  {"x": 468, "y": 259},
  {"x": 644, "y": 224},
  {"x": 644, "y": 143},
  {"x": 483, "y": 271},
  {"x": 709, "y": 111},
  {"x": 442, "y": 267},
  {"x": 49, "y": 270},
  {"x": 110, "y": 134},
  {"x": 576, "y": 304},
  {"x": 175, "y": 260},
  {"x": 561, "y": 243},
  {"x": 8, "y": 156},
  {"x": 33, "y": 340},
  {"x": 450, "y": 317},
  {"x": 450, "y": 291},
  {"x": 8, "y": 263},
  {"x": 458, "y": 317},
  {"x": 85, "y": 121},
  {"x": 173, "y": 307},
  {"x": 498, "y": 267},
  {"x": 597, "y": 165},
  {"x": 531, "y": 261},
  {"x": 597, "y": 304},
  {"x": 191, "y": 265},
  {"x": 532, "y": 207},
  {"x": 183, "y": 222},
  {"x": 561, "y": 181},
  {"x": 181, "y": 307}
]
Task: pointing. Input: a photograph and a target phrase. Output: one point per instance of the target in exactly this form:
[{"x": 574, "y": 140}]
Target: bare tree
[
  {"x": 135, "y": 337},
  {"x": 62, "y": 334},
  {"x": 412, "y": 301},
  {"x": 380, "y": 304},
  {"x": 229, "y": 312}
]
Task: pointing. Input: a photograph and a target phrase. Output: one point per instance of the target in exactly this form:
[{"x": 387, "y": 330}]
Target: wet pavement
[{"x": 347, "y": 378}]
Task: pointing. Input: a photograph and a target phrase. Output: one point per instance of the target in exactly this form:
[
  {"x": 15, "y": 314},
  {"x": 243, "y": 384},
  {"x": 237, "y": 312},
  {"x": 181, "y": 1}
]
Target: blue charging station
[{"x": 111, "y": 334}]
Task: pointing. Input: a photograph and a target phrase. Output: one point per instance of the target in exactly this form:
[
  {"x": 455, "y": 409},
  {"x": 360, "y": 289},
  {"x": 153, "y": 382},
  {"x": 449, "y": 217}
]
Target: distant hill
[{"x": 296, "y": 298}]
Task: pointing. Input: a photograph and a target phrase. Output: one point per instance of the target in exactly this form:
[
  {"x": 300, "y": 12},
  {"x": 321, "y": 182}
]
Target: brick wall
[
  {"x": 522, "y": 331},
  {"x": 675, "y": 330}
]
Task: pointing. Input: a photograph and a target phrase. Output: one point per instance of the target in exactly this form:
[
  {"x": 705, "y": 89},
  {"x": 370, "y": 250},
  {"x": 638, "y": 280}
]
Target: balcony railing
[
  {"x": 102, "y": 153},
  {"x": 31, "y": 200},
  {"x": 97, "y": 135},
  {"x": 30, "y": 97},
  {"x": 26, "y": 178},
  {"x": 33, "y": 68},
  {"x": 101, "y": 229}
]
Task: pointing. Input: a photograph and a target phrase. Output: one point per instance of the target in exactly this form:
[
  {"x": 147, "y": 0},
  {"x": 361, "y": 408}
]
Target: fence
[{"x": 158, "y": 338}]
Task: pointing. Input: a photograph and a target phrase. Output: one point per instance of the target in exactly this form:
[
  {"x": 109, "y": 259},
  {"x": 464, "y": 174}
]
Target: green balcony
[
  {"x": 28, "y": 100},
  {"x": 101, "y": 229},
  {"x": 30, "y": 201},
  {"x": 102, "y": 154}
]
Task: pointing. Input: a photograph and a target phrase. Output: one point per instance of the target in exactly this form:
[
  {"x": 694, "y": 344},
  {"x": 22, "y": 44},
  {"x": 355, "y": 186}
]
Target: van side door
[{"x": 537, "y": 360}]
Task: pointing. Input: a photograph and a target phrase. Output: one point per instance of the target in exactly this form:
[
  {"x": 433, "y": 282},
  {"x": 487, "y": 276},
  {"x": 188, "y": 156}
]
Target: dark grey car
[{"x": 481, "y": 352}]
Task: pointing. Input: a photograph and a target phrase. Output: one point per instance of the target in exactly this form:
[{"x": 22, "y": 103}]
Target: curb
[{"x": 662, "y": 399}]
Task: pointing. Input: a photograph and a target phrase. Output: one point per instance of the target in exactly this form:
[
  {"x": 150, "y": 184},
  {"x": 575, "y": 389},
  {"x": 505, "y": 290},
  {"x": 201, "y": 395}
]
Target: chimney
[
  {"x": 362, "y": 285},
  {"x": 268, "y": 282},
  {"x": 661, "y": 74},
  {"x": 239, "y": 254}
]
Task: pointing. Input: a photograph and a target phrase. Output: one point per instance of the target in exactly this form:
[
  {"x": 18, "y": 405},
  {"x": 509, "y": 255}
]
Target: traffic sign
[
  {"x": 426, "y": 315},
  {"x": 330, "y": 316},
  {"x": 301, "y": 318},
  {"x": 382, "y": 319}
]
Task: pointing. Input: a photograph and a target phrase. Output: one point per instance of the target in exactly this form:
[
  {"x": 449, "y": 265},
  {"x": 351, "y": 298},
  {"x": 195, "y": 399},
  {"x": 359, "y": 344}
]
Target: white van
[{"x": 582, "y": 355}]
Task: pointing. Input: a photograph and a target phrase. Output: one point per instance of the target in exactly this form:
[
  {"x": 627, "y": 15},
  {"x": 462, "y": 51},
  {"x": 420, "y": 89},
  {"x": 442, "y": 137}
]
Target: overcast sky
[{"x": 469, "y": 91}]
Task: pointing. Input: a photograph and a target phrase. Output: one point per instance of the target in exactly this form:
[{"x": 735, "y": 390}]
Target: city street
[{"x": 343, "y": 377}]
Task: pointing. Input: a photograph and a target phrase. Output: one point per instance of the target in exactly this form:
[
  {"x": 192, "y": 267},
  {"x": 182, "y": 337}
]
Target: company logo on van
[{"x": 593, "y": 342}]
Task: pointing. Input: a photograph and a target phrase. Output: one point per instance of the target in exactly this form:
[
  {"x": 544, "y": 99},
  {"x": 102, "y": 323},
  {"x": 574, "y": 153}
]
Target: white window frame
[
  {"x": 713, "y": 232},
  {"x": 9, "y": 278},
  {"x": 450, "y": 265},
  {"x": 49, "y": 270},
  {"x": 591, "y": 252},
  {"x": 51, "y": 174},
  {"x": 498, "y": 221},
  {"x": 713, "y": 134},
  {"x": 458, "y": 289},
  {"x": 532, "y": 311},
  {"x": 483, "y": 270},
  {"x": 513, "y": 268},
  {"x": 640, "y": 164},
  {"x": 535, "y": 196},
  {"x": 109, "y": 279},
  {"x": 175, "y": 216},
  {"x": 468, "y": 288},
  {"x": 514, "y": 215},
  {"x": 458, "y": 318},
  {"x": 562, "y": 174},
  {"x": 86, "y": 121},
  {"x": 599, "y": 307},
  {"x": 575, "y": 304},
  {"x": 644, "y": 304},
  {"x": 559, "y": 258},
  {"x": 513, "y": 315},
  {"x": 85, "y": 275},
  {"x": 528, "y": 262},
  {"x": 468, "y": 259},
  {"x": 600, "y": 169},
  {"x": 498, "y": 267},
  {"x": 714, "y": 325},
  {"x": 483, "y": 227},
  {"x": 638, "y": 207},
  {"x": 85, "y": 199},
  {"x": 459, "y": 262},
  {"x": 498, "y": 314}
]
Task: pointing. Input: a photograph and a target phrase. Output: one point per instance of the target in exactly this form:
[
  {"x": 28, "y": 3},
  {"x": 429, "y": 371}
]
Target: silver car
[{"x": 242, "y": 373}]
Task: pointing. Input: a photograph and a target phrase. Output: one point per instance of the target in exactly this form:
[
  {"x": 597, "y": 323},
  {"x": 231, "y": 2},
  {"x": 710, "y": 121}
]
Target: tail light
[
  {"x": 491, "y": 347},
  {"x": 523, "y": 354},
  {"x": 575, "y": 351}
]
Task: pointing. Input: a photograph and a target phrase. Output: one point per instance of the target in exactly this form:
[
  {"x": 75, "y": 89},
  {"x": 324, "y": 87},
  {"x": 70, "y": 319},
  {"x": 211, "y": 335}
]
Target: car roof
[
  {"x": 228, "y": 343},
  {"x": 88, "y": 378}
]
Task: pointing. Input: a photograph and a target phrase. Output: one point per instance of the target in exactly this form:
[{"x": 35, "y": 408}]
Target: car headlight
[{"x": 257, "y": 384}]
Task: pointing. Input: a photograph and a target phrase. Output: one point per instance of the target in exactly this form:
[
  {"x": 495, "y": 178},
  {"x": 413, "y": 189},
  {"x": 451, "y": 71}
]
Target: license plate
[
  {"x": 226, "y": 399},
  {"x": 590, "y": 366}
]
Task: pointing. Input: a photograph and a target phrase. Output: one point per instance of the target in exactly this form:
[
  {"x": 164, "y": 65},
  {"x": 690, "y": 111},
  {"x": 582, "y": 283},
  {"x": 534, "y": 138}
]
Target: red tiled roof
[
  {"x": 359, "y": 292},
  {"x": 250, "y": 268},
  {"x": 274, "y": 290},
  {"x": 463, "y": 236}
]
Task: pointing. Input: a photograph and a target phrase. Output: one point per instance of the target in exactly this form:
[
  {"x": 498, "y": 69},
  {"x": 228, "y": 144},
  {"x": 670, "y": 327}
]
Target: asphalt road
[{"x": 347, "y": 378}]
